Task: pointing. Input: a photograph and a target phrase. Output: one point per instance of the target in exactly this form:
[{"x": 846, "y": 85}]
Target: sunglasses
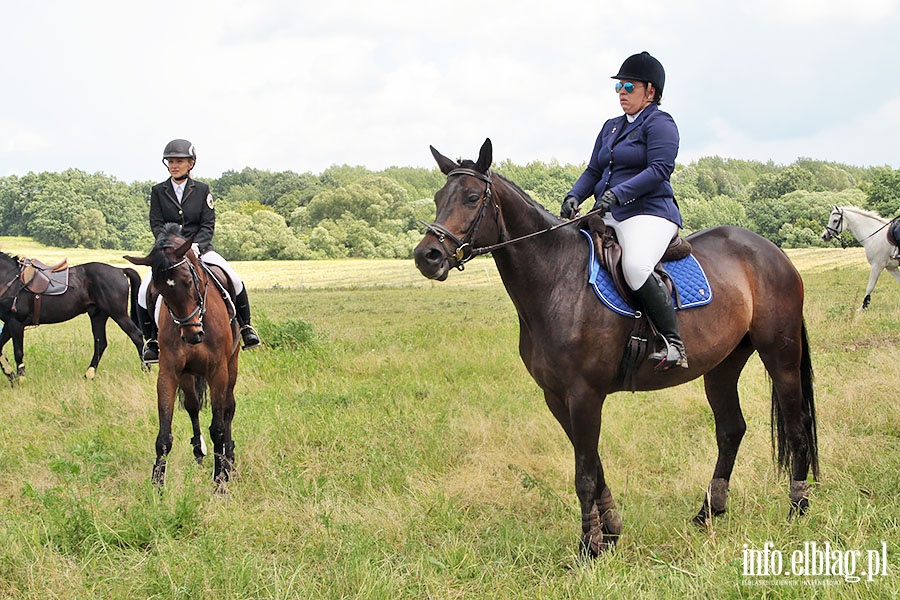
[{"x": 627, "y": 86}]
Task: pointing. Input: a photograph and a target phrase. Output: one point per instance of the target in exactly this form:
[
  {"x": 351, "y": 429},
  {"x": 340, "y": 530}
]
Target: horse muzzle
[
  {"x": 193, "y": 338},
  {"x": 432, "y": 261}
]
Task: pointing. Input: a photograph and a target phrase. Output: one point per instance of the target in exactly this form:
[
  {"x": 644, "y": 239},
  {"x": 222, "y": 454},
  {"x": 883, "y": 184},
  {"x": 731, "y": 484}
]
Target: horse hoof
[{"x": 90, "y": 373}]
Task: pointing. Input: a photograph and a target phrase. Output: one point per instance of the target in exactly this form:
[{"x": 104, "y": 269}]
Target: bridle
[
  {"x": 200, "y": 298},
  {"x": 838, "y": 226},
  {"x": 464, "y": 250}
]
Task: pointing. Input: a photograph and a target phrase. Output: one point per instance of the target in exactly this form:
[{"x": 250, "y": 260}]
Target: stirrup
[
  {"x": 250, "y": 337},
  {"x": 670, "y": 356},
  {"x": 150, "y": 353}
]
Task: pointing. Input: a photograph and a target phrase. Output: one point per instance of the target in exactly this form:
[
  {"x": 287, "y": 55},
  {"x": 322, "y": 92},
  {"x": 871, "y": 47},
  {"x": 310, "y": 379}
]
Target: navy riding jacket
[
  {"x": 196, "y": 213},
  {"x": 635, "y": 161}
]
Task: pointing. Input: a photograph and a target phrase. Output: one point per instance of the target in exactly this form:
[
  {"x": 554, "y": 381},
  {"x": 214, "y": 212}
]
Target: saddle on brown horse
[{"x": 610, "y": 256}]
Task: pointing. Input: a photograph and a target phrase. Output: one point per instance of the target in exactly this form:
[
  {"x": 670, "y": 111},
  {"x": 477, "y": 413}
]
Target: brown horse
[
  {"x": 573, "y": 347},
  {"x": 198, "y": 346},
  {"x": 102, "y": 291}
]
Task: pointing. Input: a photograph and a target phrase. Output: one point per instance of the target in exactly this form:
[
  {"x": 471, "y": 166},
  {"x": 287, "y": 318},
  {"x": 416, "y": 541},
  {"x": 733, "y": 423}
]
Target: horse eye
[{"x": 473, "y": 198}]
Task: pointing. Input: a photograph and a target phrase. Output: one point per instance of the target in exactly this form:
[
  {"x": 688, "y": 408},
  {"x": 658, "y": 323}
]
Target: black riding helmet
[
  {"x": 179, "y": 149},
  {"x": 643, "y": 67}
]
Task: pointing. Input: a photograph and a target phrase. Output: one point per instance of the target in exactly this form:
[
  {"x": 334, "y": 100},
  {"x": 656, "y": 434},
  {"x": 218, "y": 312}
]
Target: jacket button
[{"x": 180, "y": 213}]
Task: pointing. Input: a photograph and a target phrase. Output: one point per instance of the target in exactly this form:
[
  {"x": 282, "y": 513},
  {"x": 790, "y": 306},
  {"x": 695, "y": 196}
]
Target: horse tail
[
  {"x": 200, "y": 388},
  {"x": 135, "y": 280},
  {"x": 780, "y": 447}
]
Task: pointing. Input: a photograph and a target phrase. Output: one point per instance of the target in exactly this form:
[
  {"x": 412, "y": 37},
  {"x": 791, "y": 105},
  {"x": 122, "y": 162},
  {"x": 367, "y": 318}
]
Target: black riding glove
[
  {"x": 569, "y": 207},
  {"x": 605, "y": 201}
]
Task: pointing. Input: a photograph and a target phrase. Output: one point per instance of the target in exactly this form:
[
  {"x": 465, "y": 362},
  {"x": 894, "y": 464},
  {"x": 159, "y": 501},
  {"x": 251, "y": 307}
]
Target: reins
[
  {"x": 464, "y": 251},
  {"x": 837, "y": 233}
]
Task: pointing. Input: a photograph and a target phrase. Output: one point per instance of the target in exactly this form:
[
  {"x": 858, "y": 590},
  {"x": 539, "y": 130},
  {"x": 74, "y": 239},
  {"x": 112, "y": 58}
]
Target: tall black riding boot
[
  {"x": 150, "y": 354},
  {"x": 657, "y": 303},
  {"x": 248, "y": 334}
]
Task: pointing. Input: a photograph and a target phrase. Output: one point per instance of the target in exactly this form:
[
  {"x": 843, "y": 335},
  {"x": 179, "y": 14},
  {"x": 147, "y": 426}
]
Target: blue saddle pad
[{"x": 690, "y": 282}]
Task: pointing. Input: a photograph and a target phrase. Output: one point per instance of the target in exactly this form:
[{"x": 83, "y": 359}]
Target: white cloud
[{"x": 102, "y": 85}]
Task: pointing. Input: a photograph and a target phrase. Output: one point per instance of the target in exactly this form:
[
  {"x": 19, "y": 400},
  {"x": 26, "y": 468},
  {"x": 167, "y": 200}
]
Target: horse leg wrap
[
  {"x": 799, "y": 496},
  {"x": 601, "y": 527},
  {"x": 716, "y": 495}
]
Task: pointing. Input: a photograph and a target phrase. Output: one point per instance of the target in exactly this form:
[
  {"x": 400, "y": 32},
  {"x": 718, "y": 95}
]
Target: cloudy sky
[{"x": 102, "y": 85}]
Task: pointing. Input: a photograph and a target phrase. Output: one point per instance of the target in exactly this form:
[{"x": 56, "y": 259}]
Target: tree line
[{"x": 350, "y": 211}]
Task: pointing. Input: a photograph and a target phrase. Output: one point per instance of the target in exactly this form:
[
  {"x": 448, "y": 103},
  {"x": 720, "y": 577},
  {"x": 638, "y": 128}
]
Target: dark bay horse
[
  {"x": 198, "y": 347},
  {"x": 573, "y": 346},
  {"x": 100, "y": 290}
]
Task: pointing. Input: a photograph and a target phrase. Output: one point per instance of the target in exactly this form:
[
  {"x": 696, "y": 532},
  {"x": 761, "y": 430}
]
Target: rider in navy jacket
[
  {"x": 628, "y": 174},
  {"x": 634, "y": 161}
]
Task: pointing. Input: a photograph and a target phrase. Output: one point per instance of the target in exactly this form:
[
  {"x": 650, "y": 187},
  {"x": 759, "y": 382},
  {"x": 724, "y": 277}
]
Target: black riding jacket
[{"x": 196, "y": 214}]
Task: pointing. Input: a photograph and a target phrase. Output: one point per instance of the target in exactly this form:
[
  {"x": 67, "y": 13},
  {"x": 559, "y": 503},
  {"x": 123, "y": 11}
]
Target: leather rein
[{"x": 464, "y": 250}]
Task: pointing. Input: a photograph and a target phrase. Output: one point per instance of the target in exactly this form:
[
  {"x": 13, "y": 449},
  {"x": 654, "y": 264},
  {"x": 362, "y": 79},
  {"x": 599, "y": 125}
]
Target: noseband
[{"x": 200, "y": 298}]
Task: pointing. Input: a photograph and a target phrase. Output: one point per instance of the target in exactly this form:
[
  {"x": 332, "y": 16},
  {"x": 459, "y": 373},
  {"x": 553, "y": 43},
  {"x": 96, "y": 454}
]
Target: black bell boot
[
  {"x": 657, "y": 302},
  {"x": 248, "y": 334},
  {"x": 150, "y": 353}
]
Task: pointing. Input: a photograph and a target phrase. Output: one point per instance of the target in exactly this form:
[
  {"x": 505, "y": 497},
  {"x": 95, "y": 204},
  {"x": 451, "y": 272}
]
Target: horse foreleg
[
  {"x": 4, "y": 364},
  {"x": 192, "y": 407},
  {"x": 601, "y": 524},
  {"x": 722, "y": 394},
  {"x": 98, "y": 329},
  {"x": 165, "y": 394},
  {"x": 874, "y": 274},
  {"x": 223, "y": 406},
  {"x": 16, "y": 331}
]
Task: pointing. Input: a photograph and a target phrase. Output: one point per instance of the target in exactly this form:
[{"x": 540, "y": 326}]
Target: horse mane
[
  {"x": 160, "y": 261},
  {"x": 865, "y": 213},
  {"x": 470, "y": 164},
  {"x": 9, "y": 257}
]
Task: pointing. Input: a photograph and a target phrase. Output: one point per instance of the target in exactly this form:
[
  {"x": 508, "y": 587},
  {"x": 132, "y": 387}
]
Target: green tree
[{"x": 884, "y": 194}]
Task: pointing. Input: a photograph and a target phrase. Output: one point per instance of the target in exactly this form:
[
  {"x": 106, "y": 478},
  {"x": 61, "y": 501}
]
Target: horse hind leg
[
  {"x": 794, "y": 436},
  {"x": 722, "y": 393},
  {"x": 98, "y": 329}
]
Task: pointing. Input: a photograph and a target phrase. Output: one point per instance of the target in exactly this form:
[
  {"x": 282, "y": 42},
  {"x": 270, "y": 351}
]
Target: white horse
[{"x": 871, "y": 231}]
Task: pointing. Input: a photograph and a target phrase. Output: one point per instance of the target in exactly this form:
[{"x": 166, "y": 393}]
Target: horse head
[
  {"x": 459, "y": 227},
  {"x": 178, "y": 277},
  {"x": 835, "y": 224}
]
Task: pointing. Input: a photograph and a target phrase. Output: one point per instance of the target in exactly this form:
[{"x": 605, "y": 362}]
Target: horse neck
[
  {"x": 862, "y": 225},
  {"x": 535, "y": 265}
]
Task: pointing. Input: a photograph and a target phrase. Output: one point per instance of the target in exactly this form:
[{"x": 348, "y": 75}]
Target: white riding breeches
[
  {"x": 211, "y": 258},
  {"x": 644, "y": 239}
]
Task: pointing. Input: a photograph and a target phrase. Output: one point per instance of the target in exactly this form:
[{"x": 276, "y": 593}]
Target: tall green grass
[{"x": 390, "y": 444}]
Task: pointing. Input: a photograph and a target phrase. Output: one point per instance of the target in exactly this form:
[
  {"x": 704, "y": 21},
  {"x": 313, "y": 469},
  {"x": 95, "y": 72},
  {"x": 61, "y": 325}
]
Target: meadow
[{"x": 390, "y": 444}]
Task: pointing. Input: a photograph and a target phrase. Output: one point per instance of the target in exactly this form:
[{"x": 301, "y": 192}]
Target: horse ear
[
  {"x": 445, "y": 164},
  {"x": 485, "y": 156},
  {"x": 138, "y": 260},
  {"x": 182, "y": 249}
]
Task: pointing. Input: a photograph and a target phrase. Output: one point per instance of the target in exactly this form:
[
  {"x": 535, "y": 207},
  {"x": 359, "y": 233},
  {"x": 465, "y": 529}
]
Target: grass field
[{"x": 400, "y": 450}]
